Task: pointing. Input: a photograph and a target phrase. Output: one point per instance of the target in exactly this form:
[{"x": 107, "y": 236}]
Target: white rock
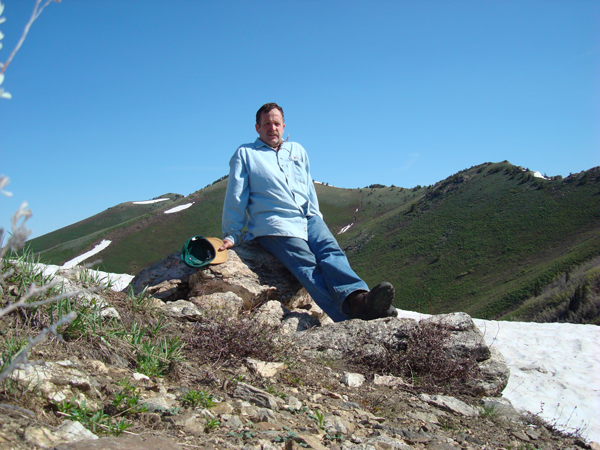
[
  {"x": 72, "y": 431},
  {"x": 353, "y": 379},
  {"x": 140, "y": 376},
  {"x": 450, "y": 404},
  {"x": 389, "y": 380},
  {"x": 264, "y": 369}
]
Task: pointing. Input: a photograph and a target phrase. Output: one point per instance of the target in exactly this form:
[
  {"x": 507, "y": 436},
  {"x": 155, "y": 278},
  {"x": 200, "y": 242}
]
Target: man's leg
[
  {"x": 346, "y": 288},
  {"x": 296, "y": 255},
  {"x": 341, "y": 280}
]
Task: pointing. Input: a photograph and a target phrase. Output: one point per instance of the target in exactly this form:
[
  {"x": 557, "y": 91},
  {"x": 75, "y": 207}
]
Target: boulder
[
  {"x": 253, "y": 279},
  {"x": 371, "y": 338},
  {"x": 250, "y": 272},
  {"x": 172, "y": 270}
]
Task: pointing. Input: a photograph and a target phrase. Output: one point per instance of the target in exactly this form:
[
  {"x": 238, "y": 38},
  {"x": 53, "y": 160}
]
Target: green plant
[
  {"x": 319, "y": 418},
  {"x": 489, "y": 411},
  {"x": 339, "y": 437},
  {"x": 195, "y": 398},
  {"x": 128, "y": 400},
  {"x": 88, "y": 317},
  {"x": 290, "y": 435},
  {"x": 446, "y": 424},
  {"x": 156, "y": 359},
  {"x": 139, "y": 301},
  {"x": 11, "y": 349},
  {"x": 243, "y": 434},
  {"x": 119, "y": 427},
  {"x": 95, "y": 421},
  {"x": 211, "y": 424}
]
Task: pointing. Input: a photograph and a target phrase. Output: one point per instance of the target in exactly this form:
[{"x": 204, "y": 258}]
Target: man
[{"x": 270, "y": 190}]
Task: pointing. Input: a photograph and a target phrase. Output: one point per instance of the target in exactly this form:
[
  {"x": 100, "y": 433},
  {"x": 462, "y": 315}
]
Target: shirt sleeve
[
  {"x": 313, "y": 209},
  {"x": 236, "y": 198}
]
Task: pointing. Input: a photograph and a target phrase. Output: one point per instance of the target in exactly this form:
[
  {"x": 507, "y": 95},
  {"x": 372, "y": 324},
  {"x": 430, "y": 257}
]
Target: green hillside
[
  {"x": 484, "y": 241},
  {"x": 477, "y": 241},
  {"x": 98, "y": 223}
]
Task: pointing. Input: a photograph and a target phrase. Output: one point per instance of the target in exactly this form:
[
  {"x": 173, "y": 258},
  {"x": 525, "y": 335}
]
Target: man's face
[{"x": 271, "y": 128}]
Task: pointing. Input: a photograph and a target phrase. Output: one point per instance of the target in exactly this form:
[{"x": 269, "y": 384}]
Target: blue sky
[{"x": 121, "y": 100}]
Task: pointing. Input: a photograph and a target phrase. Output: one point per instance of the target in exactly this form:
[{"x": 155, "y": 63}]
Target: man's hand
[{"x": 226, "y": 244}]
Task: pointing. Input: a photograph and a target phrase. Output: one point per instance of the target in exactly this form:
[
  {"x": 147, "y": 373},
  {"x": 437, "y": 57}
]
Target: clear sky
[{"x": 120, "y": 100}]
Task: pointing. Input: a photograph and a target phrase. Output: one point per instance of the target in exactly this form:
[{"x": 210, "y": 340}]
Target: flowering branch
[{"x": 37, "y": 10}]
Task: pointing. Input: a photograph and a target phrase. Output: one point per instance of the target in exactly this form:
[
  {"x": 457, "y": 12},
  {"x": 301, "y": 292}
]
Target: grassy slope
[
  {"x": 477, "y": 241},
  {"x": 163, "y": 234},
  {"x": 98, "y": 223}
]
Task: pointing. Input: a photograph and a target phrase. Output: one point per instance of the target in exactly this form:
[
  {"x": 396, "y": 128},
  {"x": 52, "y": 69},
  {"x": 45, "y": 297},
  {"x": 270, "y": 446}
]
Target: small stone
[
  {"x": 311, "y": 441},
  {"x": 40, "y": 436},
  {"x": 264, "y": 369},
  {"x": 521, "y": 435},
  {"x": 449, "y": 404},
  {"x": 268, "y": 426},
  {"x": 110, "y": 313},
  {"x": 140, "y": 376},
  {"x": 533, "y": 433},
  {"x": 353, "y": 379},
  {"x": 293, "y": 402},
  {"x": 72, "y": 431},
  {"x": 254, "y": 395},
  {"x": 389, "y": 380},
  {"x": 222, "y": 408}
]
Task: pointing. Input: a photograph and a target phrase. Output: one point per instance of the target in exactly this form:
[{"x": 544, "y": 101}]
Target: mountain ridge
[{"x": 483, "y": 240}]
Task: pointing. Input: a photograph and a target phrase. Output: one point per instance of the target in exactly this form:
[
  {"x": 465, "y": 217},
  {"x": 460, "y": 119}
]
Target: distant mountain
[{"x": 492, "y": 240}]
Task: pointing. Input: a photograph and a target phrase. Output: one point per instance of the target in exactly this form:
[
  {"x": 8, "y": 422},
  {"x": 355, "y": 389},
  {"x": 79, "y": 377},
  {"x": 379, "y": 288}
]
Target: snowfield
[
  {"x": 554, "y": 370},
  {"x": 178, "y": 208},
  {"x": 97, "y": 249},
  {"x": 148, "y": 202}
]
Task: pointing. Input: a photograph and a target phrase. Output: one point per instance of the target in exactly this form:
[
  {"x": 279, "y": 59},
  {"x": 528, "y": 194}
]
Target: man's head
[{"x": 270, "y": 124}]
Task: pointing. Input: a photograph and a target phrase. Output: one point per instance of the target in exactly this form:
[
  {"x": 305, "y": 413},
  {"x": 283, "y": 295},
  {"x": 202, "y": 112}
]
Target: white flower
[
  {"x": 4, "y": 180},
  {"x": 3, "y": 93}
]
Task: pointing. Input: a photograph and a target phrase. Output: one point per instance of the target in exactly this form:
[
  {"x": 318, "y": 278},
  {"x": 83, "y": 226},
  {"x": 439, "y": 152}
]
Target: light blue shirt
[{"x": 271, "y": 192}]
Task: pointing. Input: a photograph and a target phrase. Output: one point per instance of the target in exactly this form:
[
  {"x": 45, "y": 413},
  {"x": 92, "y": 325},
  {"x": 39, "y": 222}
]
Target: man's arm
[{"x": 236, "y": 201}]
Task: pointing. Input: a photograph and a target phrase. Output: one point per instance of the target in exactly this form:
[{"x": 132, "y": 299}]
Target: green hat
[{"x": 200, "y": 251}]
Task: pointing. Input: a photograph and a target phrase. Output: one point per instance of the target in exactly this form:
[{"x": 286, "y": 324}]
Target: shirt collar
[{"x": 258, "y": 143}]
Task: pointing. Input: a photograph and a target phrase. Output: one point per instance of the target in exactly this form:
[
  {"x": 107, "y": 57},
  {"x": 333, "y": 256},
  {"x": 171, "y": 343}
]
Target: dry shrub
[
  {"x": 224, "y": 339},
  {"x": 423, "y": 357}
]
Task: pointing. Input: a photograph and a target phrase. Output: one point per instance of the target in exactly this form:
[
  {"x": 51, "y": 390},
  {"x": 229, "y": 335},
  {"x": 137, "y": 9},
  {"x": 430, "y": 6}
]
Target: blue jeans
[{"x": 320, "y": 266}]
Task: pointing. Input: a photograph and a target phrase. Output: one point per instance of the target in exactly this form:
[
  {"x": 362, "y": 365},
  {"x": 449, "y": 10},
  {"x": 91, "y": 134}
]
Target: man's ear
[{"x": 257, "y": 126}]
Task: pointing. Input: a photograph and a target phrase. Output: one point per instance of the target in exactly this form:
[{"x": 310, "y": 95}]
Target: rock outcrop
[{"x": 252, "y": 279}]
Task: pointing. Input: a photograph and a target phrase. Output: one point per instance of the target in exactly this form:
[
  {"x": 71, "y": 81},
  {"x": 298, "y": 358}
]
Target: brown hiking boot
[{"x": 374, "y": 304}]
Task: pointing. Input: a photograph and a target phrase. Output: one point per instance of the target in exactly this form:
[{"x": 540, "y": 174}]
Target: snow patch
[
  {"x": 346, "y": 228},
  {"x": 97, "y": 249},
  {"x": 554, "y": 369},
  {"x": 148, "y": 202},
  {"x": 178, "y": 208},
  {"x": 539, "y": 175}
]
